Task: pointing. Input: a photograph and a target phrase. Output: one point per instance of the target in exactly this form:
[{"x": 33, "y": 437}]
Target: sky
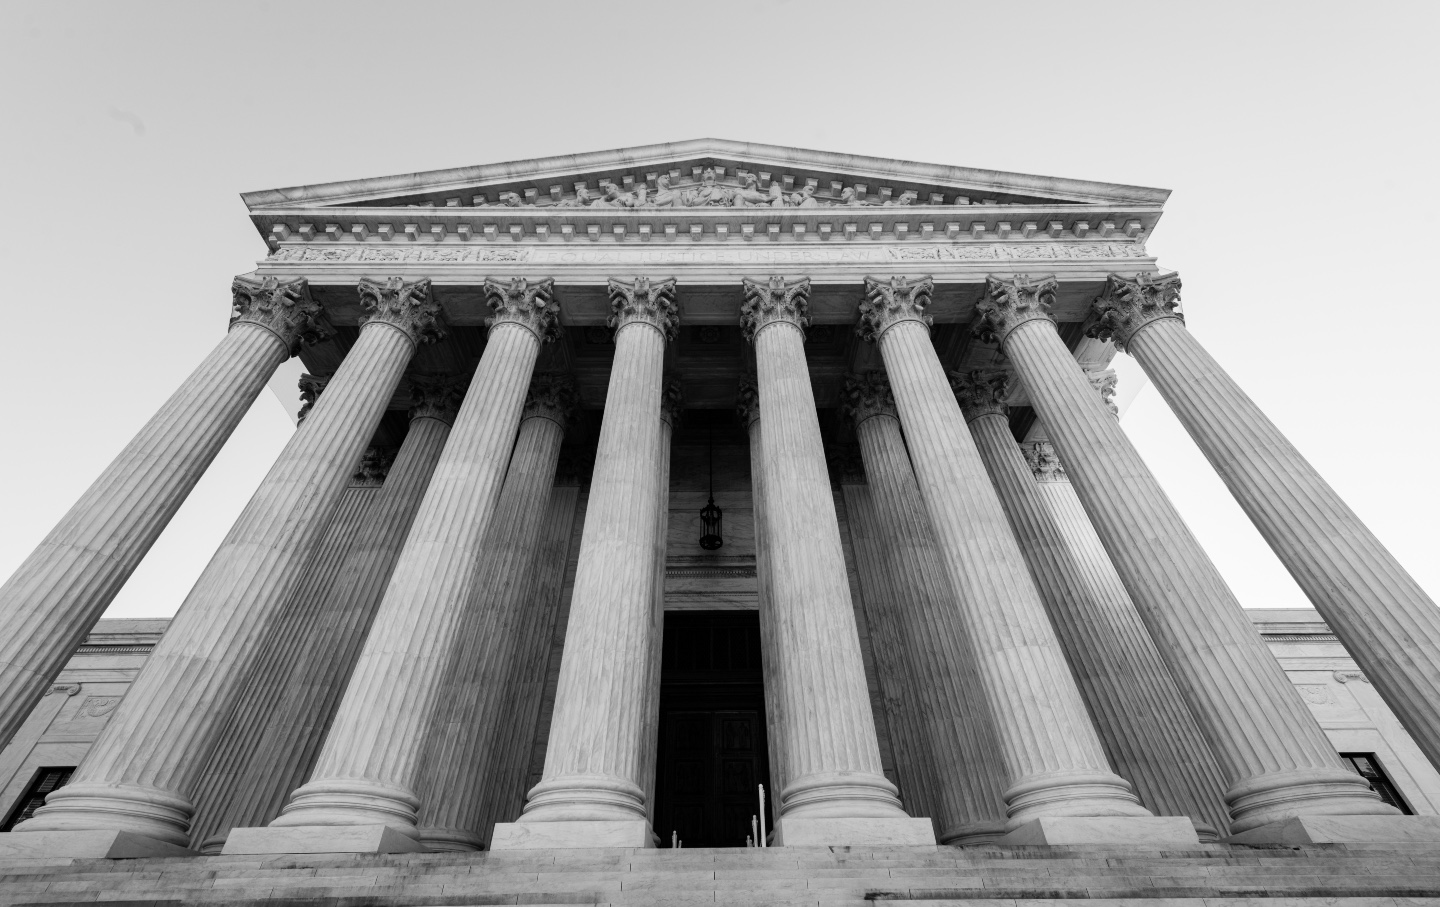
[{"x": 1299, "y": 140}]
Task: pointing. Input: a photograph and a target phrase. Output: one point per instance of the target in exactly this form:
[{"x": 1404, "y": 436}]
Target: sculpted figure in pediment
[
  {"x": 908, "y": 197},
  {"x": 611, "y": 197},
  {"x": 507, "y": 200},
  {"x": 849, "y": 199},
  {"x": 708, "y": 194},
  {"x": 665, "y": 197},
  {"x": 582, "y": 199},
  {"x": 805, "y": 198},
  {"x": 749, "y": 193}
]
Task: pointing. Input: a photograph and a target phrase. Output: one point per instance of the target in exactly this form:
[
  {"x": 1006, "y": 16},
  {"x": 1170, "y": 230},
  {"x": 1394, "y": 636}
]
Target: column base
[
  {"x": 88, "y": 845},
  {"x": 974, "y": 834},
  {"x": 267, "y": 839},
  {"x": 823, "y": 831},
  {"x": 213, "y": 845},
  {"x": 1148, "y": 832},
  {"x": 450, "y": 840},
  {"x": 1345, "y": 830},
  {"x": 578, "y": 834}
]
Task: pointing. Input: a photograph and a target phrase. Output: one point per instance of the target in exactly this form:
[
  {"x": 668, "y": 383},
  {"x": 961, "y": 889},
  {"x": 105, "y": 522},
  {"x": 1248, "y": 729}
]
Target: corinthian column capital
[
  {"x": 282, "y": 307},
  {"x": 552, "y": 397},
  {"x": 747, "y": 403},
  {"x": 1104, "y": 381},
  {"x": 981, "y": 393},
  {"x": 774, "y": 301},
  {"x": 672, "y": 401},
  {"x": 868, "y": 394},
  {"x": 528, "y": 303},
  {"x": 374, "y": 467},
  {"x": 310, "y": 388},
  {"x": 437, "y": 397},
  {"x": 642, "y": 301},
  {"x": 406, "y": 306},
  {"x": 1007, "y": 304},
  {"x": 1042, "y": 461},
  {"x": 1131, "y": 303},
  {"x": 889, "y": 302}
]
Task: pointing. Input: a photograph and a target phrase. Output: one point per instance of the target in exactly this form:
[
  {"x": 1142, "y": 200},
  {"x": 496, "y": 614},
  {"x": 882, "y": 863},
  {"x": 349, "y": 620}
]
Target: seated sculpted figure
[
  {"x": 908, "y": 197},
  {"x": 708, "y": 193},
  {"x": 665, "y": 197},
  {"x": 507, "y": 200},
  {"x": 611, "y": 196},
  {"x": 581, "y": 199},
  {"x": 850, "y": 199},
  {"x": 805, "y": 198},
  {"x": 749, "y": 192}
]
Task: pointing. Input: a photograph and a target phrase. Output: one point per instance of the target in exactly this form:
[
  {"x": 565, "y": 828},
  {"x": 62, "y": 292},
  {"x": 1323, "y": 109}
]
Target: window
[
  {"x": 1368, "y": 767},
  {"x": 45, "y": 781}
]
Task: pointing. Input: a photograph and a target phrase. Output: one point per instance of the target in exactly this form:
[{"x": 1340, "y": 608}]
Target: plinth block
[
  {"x": 1150, "y": 833},
  {"x": 548, "y": 835},
  {"x": 826, "y": 832},
  {"x": 320, "y": 839},
  {"x": 92, "y": 845},
  {"x": 1345, "y": 830}
]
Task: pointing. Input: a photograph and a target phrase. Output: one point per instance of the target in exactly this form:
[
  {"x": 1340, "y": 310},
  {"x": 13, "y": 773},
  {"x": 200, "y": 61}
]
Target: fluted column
[
  {"x": 1146, "y": 729},
  {"x": 1387, "y": 622},
  {"x": 1053, "y": 758},
  {"x": 141, "y": 772},
  {"x": 1275, "y": 759},
  {"x": 833, "y": 772},
  {"x": 51, "y": 602},
  {"x": 273, "y": 738},
  {"x": 970, "y": 781},
  {"x": 672, "y": 404},
  {"x": 367, "y": 772},
  {"x": 454, "y": 765},
  {"x": 514, "y": 738},
  {"x": 588, "y": 795},
  {"x": 747, "y": 405}
]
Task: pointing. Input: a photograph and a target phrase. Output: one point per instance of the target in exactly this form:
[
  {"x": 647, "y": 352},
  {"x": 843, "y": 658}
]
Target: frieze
[{"x": 716, "y": 256}]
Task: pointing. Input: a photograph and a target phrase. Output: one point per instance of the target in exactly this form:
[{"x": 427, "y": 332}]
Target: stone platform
[{"x": 994, "y": 876}]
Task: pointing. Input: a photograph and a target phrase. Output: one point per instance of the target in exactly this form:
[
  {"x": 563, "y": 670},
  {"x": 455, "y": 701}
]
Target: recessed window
[
  {"x": 1368, "y": 767},
  {"x": 45, "y": 781}
]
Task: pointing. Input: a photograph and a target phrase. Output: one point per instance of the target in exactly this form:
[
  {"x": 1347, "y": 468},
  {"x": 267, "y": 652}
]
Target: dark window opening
[
  {"x": 45, "y": 781},
  {"x": 1368, "y": 767}
]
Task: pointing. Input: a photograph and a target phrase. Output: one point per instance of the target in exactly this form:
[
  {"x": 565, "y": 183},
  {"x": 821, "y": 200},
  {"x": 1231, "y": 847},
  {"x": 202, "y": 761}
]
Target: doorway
[{"x": 712, "y": 748}]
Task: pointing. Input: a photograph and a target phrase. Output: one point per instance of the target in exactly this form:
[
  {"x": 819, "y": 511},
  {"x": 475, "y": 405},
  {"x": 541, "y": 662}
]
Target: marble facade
[{"x": 983, "y": 622}]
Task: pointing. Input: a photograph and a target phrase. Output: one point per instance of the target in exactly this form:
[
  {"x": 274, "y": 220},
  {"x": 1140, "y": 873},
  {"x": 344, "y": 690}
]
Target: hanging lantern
[{"x": 710, "y": 515}]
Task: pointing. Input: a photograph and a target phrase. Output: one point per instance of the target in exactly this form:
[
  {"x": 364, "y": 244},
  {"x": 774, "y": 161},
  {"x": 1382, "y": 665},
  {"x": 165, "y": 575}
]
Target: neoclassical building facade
[{"x": 630, "y": 483}]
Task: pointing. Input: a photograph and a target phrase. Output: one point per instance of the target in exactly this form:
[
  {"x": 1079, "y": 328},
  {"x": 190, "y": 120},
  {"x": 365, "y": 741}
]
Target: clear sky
[{"x": 1299, "y": 140}]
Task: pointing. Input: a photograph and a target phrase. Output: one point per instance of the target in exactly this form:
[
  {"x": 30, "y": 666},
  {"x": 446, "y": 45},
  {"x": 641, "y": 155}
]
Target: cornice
[{"x": 643, "y": 158}]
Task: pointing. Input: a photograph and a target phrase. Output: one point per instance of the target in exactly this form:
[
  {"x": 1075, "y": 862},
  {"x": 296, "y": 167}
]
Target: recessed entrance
[{"x": 712, "y": 729}]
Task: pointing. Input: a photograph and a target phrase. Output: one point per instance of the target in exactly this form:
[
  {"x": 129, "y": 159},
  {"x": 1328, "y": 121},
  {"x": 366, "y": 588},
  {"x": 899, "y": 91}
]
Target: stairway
[{"x": 1213, "y": 876}]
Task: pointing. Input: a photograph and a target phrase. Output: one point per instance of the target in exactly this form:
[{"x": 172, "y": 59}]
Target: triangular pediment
[{"x": 705, "y": 173}]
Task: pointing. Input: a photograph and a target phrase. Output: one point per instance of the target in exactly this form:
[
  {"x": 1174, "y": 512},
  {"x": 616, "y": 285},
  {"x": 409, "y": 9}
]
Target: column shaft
[
  {"x": 1387, "y": 622},
  {"x": 275, "y": 733},
  {"x": 455, "y": 765},
  {"x": 1147, "y": 731},
  {"x": 368, "y": 770},
  {"x": 1275, "y": 759},
  {"x": 947, "y": 693},
  {"x": 671, "y": 406},
  {"x": 514, "y": 739},
  {"x": 51, "y": 602},
  {"x": 771, "y": 664},
  {"x": 832, "y": 759},
  {"x": 141, "y": 772},
  {"x": 1052, "y": 755},
  {"x": 597, "y": 733}
]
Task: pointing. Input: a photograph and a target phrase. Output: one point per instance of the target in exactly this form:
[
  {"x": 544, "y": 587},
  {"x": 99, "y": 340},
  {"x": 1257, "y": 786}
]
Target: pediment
[{"x": 705, "y": 173}]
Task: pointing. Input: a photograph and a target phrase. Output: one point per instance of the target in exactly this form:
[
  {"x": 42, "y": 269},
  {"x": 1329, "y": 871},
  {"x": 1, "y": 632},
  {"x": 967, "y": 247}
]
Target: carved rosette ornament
[
  {"x": 282, "y": 307},
  {"x": 406, "y": 306},
  {"x": 310, "y": 388},
  {"x": 528, "y": 303},
  {"x": 890, "y": 301},
  {"x": 552, "y": 397},
  {"x": 1104, "y": 381},
  {"x": 672, "y": 401},
  {"x": 774, "y": 301},
  {"x": 1130, "y": 304},
  {"x": 747, "y": 402},
  {"x": 1007, "y": 304},
  {"x": 437, "y": 396},
  {"x": 645, "y": 302},
  {"x": 981, "y": 393},
  {"x": 374, "y": 466},
  {"x": 1043, "y": 462},
  {"x": 868, "y": 394}
]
